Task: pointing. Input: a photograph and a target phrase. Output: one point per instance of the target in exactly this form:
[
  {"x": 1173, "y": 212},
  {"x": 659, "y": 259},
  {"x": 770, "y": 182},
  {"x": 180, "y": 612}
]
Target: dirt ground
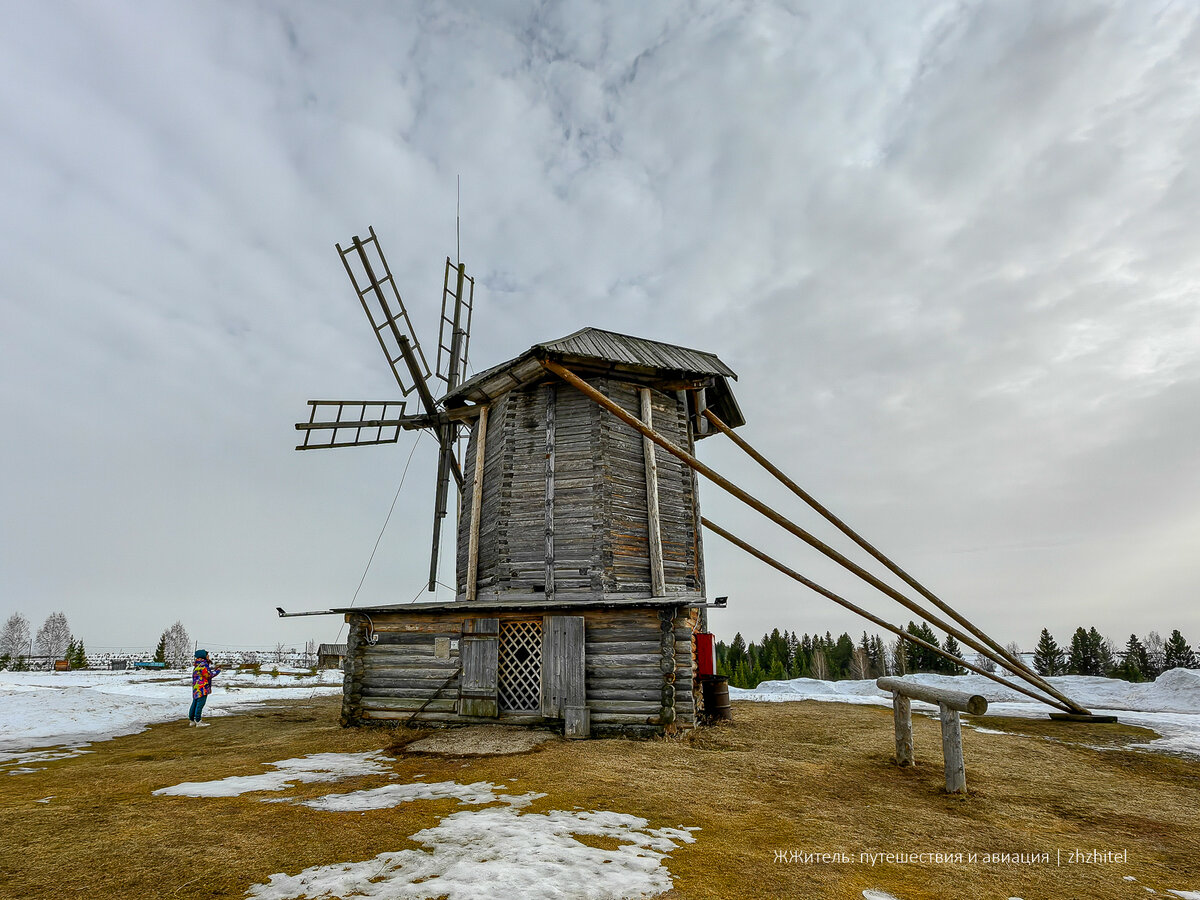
[{"x": 783, "y": 783}]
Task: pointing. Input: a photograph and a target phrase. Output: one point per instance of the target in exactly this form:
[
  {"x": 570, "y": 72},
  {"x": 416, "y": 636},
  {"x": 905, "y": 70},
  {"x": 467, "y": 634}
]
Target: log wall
[{"x": 638, "y": 664}]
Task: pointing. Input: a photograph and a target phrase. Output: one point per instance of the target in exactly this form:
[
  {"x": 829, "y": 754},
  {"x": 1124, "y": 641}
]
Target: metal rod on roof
[
  {"x": 841, "y": 601},
  {"x": 318, "y": 612},
  {"x": 785, "y": 523},
  {"x": 1009, "y": 660}
]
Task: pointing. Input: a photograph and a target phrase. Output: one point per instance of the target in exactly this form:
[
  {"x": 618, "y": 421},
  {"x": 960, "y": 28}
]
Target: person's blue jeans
[{"x": 197, "y": 708}]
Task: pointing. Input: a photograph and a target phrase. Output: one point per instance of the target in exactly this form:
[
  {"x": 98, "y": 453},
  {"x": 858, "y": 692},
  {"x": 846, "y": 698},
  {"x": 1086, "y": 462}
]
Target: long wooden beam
[
  {"x": 658, "y": 579},
  {"x": 476, "y": 505},
  {"x": 757, "y": 505},
  {"x": 858, "y": 610},
  {"x": 1007, "y": 659}
]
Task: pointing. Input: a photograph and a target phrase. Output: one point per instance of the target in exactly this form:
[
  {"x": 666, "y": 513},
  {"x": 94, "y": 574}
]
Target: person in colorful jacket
[{"x": 203, "y": 672}]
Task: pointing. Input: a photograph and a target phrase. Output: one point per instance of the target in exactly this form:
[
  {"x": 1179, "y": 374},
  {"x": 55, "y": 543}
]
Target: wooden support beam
[
  {"x": 998, "y": 653},
  {"x": 658, "y": 580},
  {"x": 902, "y": 713},
  {"x": 870, "y": 617},
  {"x": 973, "y": 704},
  {"x": 551, "y": 399},
  {"x": 952, "y": 750},
  {"x": 476, "y": 503},
  {"x": 757, "y": 505}
]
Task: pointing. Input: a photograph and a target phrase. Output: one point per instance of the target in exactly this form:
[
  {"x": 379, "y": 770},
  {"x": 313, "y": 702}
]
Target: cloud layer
[{"x": 946, "y": 246}]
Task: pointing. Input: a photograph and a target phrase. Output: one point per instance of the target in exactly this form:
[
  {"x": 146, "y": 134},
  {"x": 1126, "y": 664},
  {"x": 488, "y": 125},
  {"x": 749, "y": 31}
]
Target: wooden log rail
[{"x": 949, "y": 704}]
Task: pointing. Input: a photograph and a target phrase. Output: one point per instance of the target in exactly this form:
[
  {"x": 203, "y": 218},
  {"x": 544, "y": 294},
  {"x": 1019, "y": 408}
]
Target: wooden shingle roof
[{"x": 594, "y": 351}]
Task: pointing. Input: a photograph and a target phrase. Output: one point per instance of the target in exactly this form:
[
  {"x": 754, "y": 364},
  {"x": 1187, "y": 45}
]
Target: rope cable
[{"x": 371, "y": 558}]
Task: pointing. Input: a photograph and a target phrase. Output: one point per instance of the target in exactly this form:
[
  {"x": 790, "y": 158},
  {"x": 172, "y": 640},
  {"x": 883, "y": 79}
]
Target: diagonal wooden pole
[
  {"x": 785, "y": 523},
  {"x": 894, "y": 629},
  {"x": 1008, "y": 660}
]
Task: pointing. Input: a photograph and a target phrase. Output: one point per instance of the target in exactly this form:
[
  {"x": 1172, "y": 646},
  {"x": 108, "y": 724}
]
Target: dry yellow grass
[{"x": 808, "y": 777}]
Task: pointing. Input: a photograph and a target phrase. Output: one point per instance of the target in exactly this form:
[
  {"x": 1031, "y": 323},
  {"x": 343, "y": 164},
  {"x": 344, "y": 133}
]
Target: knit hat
[{"x": 201, "y": 654}]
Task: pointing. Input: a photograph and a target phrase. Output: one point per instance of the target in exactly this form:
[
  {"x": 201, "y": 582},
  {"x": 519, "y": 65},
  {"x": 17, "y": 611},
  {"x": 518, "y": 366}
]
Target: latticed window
[{"x": 519, "y": 666}]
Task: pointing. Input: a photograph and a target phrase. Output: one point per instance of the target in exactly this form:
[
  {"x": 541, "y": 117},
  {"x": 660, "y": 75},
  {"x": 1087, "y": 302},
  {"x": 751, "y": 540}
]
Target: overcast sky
[{"x": 949, "y": 247}]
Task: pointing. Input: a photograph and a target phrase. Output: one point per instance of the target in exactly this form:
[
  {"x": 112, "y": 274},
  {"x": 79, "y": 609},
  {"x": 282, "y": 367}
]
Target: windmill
[{"x": 359, "y": 423}]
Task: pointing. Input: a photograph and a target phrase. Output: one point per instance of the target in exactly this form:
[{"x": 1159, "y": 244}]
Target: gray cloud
[{"x": 946, "y": 246}]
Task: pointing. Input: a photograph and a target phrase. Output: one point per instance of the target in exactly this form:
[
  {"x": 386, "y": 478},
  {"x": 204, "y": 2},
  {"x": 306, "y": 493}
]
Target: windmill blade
[
  {"x": 354, "y": 423},
  {"x": 454, "y": 333},
  {"x": 364, "y": 261}
]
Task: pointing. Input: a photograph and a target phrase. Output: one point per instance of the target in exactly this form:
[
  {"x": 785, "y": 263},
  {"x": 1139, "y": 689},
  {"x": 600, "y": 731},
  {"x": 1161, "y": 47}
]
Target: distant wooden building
[
  {"x": 330, "y": 656},
  {"x": 580, "y": 567}
]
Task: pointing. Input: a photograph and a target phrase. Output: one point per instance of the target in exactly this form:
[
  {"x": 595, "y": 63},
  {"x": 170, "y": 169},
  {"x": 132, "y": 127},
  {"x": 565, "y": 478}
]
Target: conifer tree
[
  {"x": 1106, "y": 661},
  {"x": 160, "y": 652},
  {"x": 949, "y": 667},
  {"x": 1178, "y": 654},
  {"x": 1130, "y": 668},
  {"x": 79, "y": 660},
  {"x": 1048, "y": 656},
  {"x": 737, "y": 650},
  {"x": 1081, "y": 660}
]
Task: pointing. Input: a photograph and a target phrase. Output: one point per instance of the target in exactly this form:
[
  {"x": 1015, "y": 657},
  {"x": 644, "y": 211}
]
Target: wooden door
[
  {"x": 479, "y": 652},
  {"x": 562, "y": 665}
]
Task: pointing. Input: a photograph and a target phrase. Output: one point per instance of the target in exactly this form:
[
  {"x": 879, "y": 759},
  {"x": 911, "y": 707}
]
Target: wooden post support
[
  {"x": 902, "y": 713},
  {"x": 726, "y": 485},
  {"x": 658, "y": 579},
  {"x": 476, "y": 501},
  {"x": 551, "y": 396},
  {"x": 956, "y": 773}
]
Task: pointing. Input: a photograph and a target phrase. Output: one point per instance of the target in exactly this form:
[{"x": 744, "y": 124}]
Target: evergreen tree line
[
  {"x": 1090, "y": 653},
  {"x": 782, "y": 655}
]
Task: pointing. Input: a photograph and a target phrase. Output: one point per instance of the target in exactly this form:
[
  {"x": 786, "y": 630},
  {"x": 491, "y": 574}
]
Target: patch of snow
[
  {"x": 390, "y": 795},
  {"x": 1169, "y": 705},
  {"x": 500, "y": 852},
  {"x": 312, "y": 768},
  {"x": 1186, "y": 895},
  {"x": 872, "y": 894},
  {"x": 42, "y": 709},
  {"x": 21, "y": 762}
]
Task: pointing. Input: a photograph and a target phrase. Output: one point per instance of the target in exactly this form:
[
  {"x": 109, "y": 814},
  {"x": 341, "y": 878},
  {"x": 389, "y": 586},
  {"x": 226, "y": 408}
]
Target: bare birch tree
[
  {"x": 54, "y": 636},
  {"x": 14, "y": 637},
  {"x": 177, "y": 646}
]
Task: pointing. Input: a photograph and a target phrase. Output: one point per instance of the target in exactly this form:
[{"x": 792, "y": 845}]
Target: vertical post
[
  {"x": 476, "y": 503},
  {"x": 902, "y": 713},
  {"x": 551, "y": 397},
  {"x": 658, "y": 580},
  {"x": 956, "y": 773}
]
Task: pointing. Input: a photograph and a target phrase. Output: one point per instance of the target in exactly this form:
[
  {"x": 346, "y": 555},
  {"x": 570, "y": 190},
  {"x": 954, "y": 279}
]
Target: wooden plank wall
[
  {"x": 578, "y": 494},
  {"x": 624, "y": 677},
  {"x": 599, "y": 545},
  {"x": 624, "y": 473}
]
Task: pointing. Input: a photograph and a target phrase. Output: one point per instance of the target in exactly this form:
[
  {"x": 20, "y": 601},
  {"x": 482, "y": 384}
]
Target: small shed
[
  {"x": 331, "y": 656},
  {"x": 580, "y": 568}
]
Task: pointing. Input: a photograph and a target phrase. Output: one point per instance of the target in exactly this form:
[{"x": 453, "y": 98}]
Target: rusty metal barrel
[{"x": 715, "y": 693}]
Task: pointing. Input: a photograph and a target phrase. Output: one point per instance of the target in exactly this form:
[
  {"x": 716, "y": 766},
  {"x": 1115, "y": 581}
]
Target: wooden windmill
[
  {"x": 580, "y": 595},
  {"x": 358, "y": 423}
]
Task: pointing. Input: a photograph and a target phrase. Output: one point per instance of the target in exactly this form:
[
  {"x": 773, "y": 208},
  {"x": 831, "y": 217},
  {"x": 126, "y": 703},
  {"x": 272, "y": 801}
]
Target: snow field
[
  {"x": 500, "y": 850},
  {"x": 1169, "y": 705}
]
